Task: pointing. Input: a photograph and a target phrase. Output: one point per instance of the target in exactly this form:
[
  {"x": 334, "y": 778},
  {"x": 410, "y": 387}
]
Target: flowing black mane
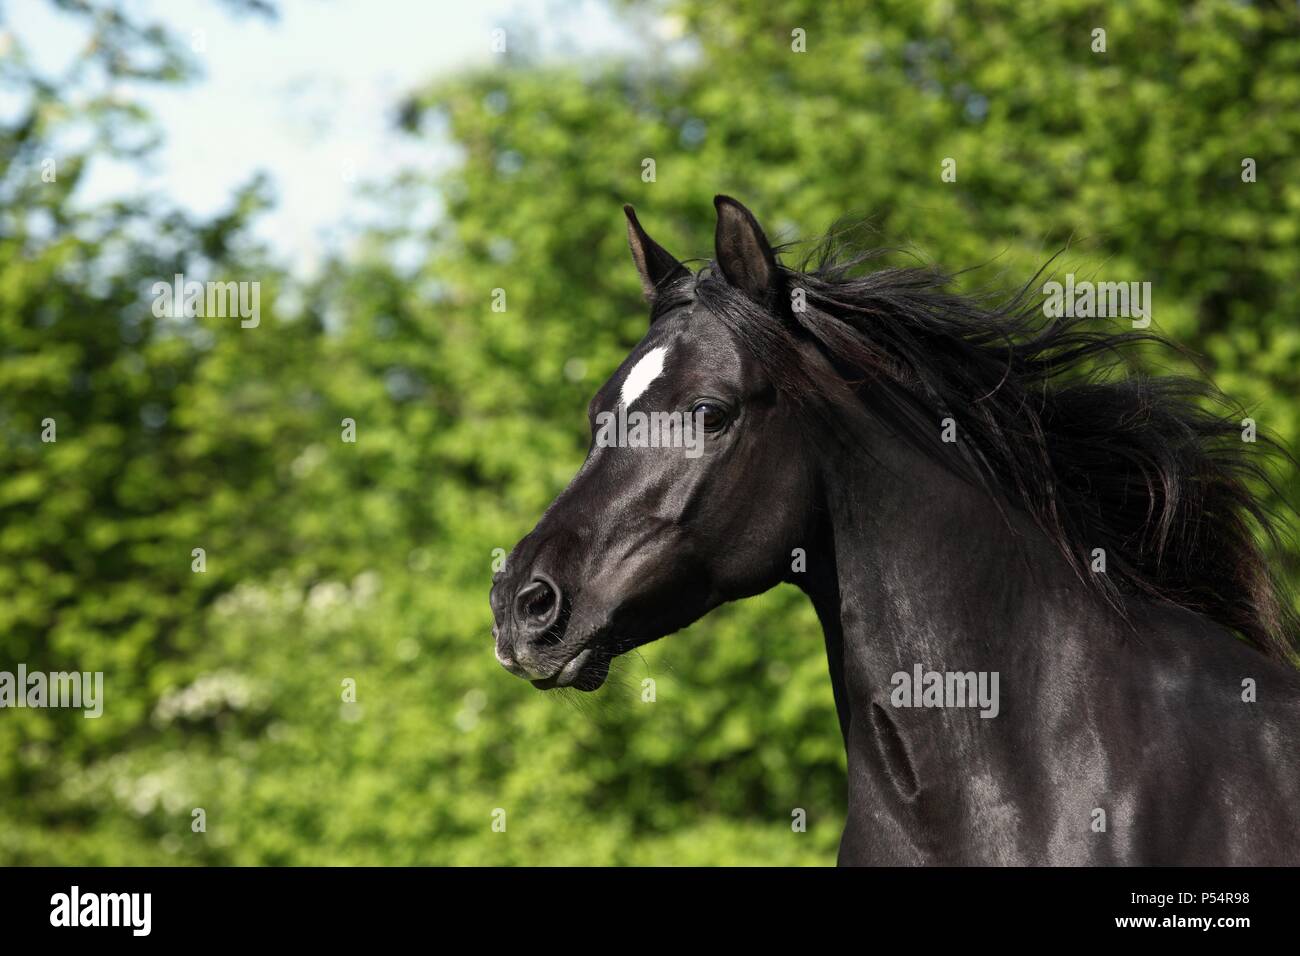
[{"x": 1153, "y": 470}]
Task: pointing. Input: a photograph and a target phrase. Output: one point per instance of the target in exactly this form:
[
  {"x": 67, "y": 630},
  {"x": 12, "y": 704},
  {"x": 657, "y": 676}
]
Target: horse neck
[{"x": 915, "y": 566}]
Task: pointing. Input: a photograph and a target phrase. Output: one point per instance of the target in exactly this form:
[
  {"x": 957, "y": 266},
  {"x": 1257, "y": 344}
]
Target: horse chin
[{"x": 587, "y": 671}]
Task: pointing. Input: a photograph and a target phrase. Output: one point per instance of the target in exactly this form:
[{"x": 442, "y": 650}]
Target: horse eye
[{"x": 715, "y": 416}]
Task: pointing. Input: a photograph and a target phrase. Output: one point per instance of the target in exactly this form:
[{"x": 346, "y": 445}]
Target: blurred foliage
[{"x": 371, "y": 561}]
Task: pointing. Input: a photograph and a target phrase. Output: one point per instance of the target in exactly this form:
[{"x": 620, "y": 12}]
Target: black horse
[{"x": 1053, "y": 634}]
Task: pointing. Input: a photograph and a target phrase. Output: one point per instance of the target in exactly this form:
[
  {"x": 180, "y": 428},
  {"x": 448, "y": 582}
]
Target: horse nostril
[{"x": 537, "y": 602}]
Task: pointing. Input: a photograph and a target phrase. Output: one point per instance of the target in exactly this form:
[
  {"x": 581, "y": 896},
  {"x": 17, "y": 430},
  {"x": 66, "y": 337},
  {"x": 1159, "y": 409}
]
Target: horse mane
[{"x": 1151, "y": 469}]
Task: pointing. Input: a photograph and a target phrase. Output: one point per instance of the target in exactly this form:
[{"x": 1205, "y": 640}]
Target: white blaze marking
[{"x": 643, "y": 373}]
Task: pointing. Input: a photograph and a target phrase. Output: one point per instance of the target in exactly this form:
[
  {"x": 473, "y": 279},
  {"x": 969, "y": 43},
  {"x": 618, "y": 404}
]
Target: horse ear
[
  {"x": 655, "y": 263},
  {"x": 743, "y": 252}
]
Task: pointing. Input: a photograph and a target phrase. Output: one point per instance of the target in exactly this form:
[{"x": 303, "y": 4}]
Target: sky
[{"x": 309, "y": 98}]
